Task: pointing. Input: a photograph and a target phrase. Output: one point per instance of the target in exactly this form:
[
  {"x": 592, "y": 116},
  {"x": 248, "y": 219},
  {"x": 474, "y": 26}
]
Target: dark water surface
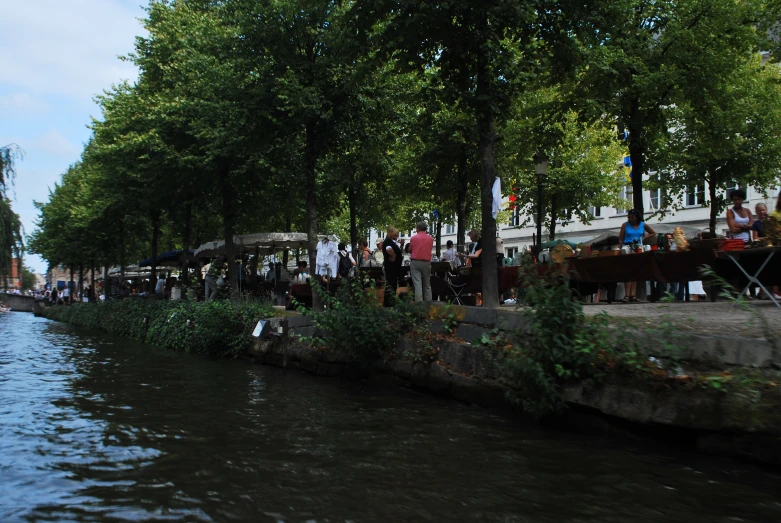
[{"x": 100, "y": 429}]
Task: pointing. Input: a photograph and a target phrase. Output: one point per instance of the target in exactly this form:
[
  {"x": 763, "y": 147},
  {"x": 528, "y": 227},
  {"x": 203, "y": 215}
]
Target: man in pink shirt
[{"x": 420, "y": 247}]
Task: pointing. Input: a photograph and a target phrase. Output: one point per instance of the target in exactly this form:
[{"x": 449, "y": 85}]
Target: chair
[{"x": 457, "y": 285}]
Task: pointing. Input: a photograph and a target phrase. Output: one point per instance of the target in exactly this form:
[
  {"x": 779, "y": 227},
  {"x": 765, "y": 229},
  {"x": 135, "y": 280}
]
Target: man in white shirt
[
  {"x": 160, "y": 285},
  {"x": 66, "y": 294},
  {"x": 450, "y": 255},
  {"x": 327, "y": 258}
]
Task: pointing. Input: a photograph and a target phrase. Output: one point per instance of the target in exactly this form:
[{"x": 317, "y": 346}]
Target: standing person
[
  {"x": 474, "y": 257},
  {"x": 450, "y": 255},
  {"x": 391, "y": 255},
  {"x": 271, "y": 275},
  {"x": 326, "y": 259},
  {"x": 758, "y": 227},
  {"x": 66, "y": 295},
  {"x": 160, "y": 285},
  {"x": 212, "y": 275},
  {"x": 346, "y": 262},
  {"x": 54, "y": 296},
  {"x": 364, "y": 254},
  {"x": 420, "y": 246},
  {"x": 633, "y": 230},
  {"x": 739, "y": 219}
]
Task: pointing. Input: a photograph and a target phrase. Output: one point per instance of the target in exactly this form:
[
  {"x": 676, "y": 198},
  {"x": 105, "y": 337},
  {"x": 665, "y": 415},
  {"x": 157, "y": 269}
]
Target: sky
[{"x": 55, "y": 56}]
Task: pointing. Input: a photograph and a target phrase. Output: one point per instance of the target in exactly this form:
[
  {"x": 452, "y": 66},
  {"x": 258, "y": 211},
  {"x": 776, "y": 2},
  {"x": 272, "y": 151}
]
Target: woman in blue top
[{"x": 633, "y": 231}]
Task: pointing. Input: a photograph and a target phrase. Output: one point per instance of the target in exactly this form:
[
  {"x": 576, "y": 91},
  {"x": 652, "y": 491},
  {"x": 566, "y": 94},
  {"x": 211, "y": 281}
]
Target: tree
[
  {"x": 728, "y": 136},
  {"x": 481, "y": 52},
  {"x": 645, "y": 55},
  {"x": 29, "y": 280},
  {"x": 11, "y": 233},
  {"x": 583, "y": 160}
]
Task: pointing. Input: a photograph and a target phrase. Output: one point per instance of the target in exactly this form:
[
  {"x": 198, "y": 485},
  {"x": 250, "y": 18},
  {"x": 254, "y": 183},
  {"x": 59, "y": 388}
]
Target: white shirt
[
  {"x": 66, "y": 292},
  {"x": 327, "y": 258},
  {"x": 451, "y": 256},
  {"x": 160, "y": 286},
  {"x": 496, "y": 192}
]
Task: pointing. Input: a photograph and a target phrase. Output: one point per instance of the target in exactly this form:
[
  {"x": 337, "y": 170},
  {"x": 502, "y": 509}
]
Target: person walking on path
[{"x": 420, "y": 247}]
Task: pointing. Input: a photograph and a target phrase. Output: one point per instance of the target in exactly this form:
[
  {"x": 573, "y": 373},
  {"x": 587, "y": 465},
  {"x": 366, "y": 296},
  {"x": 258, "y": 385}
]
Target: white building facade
[{"x": 516, "y": 236}]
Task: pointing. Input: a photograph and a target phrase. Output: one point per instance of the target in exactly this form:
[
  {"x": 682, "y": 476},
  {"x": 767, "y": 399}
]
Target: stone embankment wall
[
  {"x": 18, "y": 302},
  {"x": 728, "y": 424}
]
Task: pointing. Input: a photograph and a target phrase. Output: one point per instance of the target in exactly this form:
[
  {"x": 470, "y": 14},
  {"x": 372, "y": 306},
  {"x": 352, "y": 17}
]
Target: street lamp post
[{"x": 541, "y": 169}]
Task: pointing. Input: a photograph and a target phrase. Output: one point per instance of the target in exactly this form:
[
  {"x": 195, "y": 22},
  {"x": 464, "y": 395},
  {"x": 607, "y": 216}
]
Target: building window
[
  {"x": 596, "y": 212},
  {"x": 450, "y": 229},
  {"x": 511, "y": 252},
  {"x": 728, "y": 192},
  {"x": 515, "y": 219},
  {"x": 625, "y": 194},
  {"x": 695, "y": 195}
]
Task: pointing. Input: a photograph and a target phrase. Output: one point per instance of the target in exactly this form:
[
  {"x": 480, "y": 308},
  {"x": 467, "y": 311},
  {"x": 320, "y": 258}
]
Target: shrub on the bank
[
  {"x": 220, "y": 328},
  {"x": 559, "y": 343},
  {"x": 354, "y": 322}
]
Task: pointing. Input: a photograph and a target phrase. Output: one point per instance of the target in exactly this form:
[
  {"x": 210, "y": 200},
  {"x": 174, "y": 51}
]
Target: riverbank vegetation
[
  {"x": 344, "y": 116},
  {"x": 219, "y": 328}
]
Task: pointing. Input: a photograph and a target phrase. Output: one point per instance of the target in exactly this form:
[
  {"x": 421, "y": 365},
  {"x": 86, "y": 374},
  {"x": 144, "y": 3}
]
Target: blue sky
[{"x": 55, "y": 56}]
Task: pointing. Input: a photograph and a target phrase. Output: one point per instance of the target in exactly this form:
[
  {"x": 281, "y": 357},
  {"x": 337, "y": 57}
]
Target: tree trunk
[
  {"x": 186, "y": 240},
  {"x": 72, "y": 287},
  {"x": 439, "y": 239},
  {"x": 553, "y": 211},
  {"x": 121, "y": 251},
  {"x": 714, "y": 209},
  {"x": 106, "y": 282},
  {"x": 353, "y": 218},
  {"x": 311, "y": 208},
  {"x": 228, "y": 193},
  {"x": 637, "y": 155},
  {"x": 155, "y": 240},
  {"x": 487, "y": 138},
  {"x": 463, "y": 186},
  {"x": 81, "y": 281},
  {"x": 92, "y": 283},
  {"x": 286, "y": 251}
]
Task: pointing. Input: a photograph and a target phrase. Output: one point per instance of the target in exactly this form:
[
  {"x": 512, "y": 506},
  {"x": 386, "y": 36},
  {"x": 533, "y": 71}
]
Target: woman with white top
[{"x": 739, "y": 219}]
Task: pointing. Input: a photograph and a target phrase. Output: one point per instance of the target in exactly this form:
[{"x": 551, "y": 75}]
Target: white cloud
[
  {"x": 68, "y": 48},
  {"x": 25, "y": 103}
]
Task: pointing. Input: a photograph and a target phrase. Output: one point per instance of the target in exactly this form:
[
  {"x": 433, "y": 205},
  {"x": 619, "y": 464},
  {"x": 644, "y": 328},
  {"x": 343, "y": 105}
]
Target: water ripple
[{"x": 101, "y": 429}]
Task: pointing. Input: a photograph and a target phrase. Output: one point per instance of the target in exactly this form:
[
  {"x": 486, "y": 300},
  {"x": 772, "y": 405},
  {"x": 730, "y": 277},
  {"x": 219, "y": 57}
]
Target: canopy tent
[
  {"x": 168, "y": 259},
  {"x": 572, "y": 242},
  {"x": 131, "y": 271},
  {"x": 267, "y": 242},
  {"x": 611, "y": 237}
]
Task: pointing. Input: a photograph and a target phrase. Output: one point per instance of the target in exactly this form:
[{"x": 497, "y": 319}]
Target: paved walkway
[{"x": 700, "y": 316}]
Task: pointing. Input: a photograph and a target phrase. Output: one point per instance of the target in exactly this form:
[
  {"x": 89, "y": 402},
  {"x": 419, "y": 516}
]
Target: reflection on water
[{"x": 100, "y": 429}]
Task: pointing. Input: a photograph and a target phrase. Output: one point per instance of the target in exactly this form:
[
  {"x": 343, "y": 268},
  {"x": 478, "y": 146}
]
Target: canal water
[{"x": 102, "y": 429}]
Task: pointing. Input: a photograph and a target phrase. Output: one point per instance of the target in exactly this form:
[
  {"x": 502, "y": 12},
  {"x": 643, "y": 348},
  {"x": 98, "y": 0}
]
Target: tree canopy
[{"x": 356, "y": 114}]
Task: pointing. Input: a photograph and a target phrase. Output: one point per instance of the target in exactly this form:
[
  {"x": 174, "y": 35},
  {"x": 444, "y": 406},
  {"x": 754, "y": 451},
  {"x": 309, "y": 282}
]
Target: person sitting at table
[
  {"x": 450, "y": 255},
  {"x": 758, "y": 227},
  {"x": 392, "y": 258},
  {"x": 633, "y": 230},
  {"x": 302, "y": 273},
  {"x": 473, "y": 258},
  {"x": 739, "y": 219}
]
